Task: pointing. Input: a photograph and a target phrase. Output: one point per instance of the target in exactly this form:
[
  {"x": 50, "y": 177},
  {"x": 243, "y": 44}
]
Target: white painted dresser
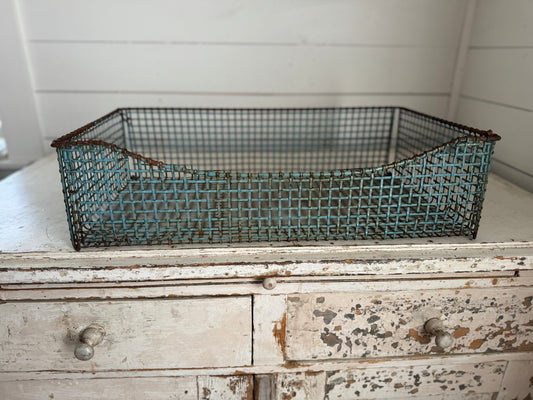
[{"x": 342, "y": 320}]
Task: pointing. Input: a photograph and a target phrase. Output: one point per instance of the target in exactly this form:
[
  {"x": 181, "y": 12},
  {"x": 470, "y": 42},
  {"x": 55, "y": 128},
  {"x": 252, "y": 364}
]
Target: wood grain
[
  {"x": 183, "y": 388},
  {"x": 151, "y": 334}
]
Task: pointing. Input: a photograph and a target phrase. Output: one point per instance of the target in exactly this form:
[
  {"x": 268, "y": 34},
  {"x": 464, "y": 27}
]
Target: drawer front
[
  {"x": 160, "y": 388},
  {"x": 386, "y": 324},
  {"x": 454, "y": 381},
  {"x": 143, "y": 334}
]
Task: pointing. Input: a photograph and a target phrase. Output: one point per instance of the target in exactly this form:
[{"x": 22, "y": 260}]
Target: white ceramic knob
[
  {"x": 269, "y": 283},
  {"x": 90, "y": 337},
  {"x": 435, "y": 327}
]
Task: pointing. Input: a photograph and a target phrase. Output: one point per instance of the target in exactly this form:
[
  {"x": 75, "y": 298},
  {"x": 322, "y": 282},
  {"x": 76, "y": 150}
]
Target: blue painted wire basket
[{"x": 147, "y": 176}]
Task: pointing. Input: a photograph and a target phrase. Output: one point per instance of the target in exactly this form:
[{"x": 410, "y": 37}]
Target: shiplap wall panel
[
  {"x": 503, "y": 23},
  {"x": 512, "y": 156},
  {"x": 501, "y": 75},
  {"x": 515, "y": 127},
  {"x": 398, "y": 22},
  {"x": 497, "y": 87},
  {"x": 239, "y": 69},
  {"x": 64, "y": 112},
  {"x": 18, "y": 110},
  {"x": 91, "y": 57}
]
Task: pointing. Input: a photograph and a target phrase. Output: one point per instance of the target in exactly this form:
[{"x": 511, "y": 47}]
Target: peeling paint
[
  {"x": 279, "y": 332},
  {"x": 459, "y": 332},
  {"x": 328, "y": 315},
  {"x": 351, "y": 325},
  {"x": 400, "y": 382}
]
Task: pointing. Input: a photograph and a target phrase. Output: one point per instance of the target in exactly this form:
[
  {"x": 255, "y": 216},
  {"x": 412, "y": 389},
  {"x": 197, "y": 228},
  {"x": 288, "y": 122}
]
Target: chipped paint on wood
[
  {"x": 278, "y": 331},
  {"x": 167, "y": 388},
  {"x": 289, "y": 286},
  {"x": 419, "y": 381},
  {"x": 269, "y": 329},
  {"x": 385, "y": 324},
  {"x": 185, "y": 333},
  {"x": 300, "y": 386},
  {"x": 45, "y": 269},
  {"x": 517, "y": 381},
  {"x": 225, "y": 387}
]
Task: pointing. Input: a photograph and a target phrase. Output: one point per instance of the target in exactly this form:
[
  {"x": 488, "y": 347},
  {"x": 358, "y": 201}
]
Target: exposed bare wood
[
  {"x": 225, "y": 387},
  {"x": 301, "y": 386}
]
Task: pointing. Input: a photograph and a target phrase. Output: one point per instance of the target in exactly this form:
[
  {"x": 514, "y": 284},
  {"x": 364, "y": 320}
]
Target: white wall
[
  {"x": 71, "y": 61},
  {"x": 497, "y": 90},
  {"x": 89, "y": 57},
  {"x": 18, "y": 110}
]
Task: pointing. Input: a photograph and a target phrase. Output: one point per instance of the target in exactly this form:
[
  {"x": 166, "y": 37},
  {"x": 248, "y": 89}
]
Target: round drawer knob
[
  {"x": 435, "y": 327},
  {"x": 90, "y": 337},
  {"x": 269, "y": 283}
]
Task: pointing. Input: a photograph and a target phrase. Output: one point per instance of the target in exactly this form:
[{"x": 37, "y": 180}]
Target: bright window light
[{"x": 3, "y": 144}]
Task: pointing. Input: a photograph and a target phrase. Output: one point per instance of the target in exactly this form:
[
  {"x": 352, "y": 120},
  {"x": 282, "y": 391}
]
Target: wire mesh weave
[{"x": 168, "y": 176}]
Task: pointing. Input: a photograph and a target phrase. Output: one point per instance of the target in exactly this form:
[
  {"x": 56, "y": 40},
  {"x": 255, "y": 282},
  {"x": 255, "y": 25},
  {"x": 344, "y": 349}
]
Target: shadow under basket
[{"x": 151, "y": 176}]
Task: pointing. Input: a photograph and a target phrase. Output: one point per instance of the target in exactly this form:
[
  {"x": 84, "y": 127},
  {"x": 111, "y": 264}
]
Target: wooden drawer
[
  {"x": 454, "y": 381},
  {"x": 160, "y": 388},
  {"x": 388, "y": 324},
  {"x": 143, "y": 334}
]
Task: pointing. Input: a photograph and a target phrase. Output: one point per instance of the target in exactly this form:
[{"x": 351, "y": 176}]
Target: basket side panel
[
  {"x": 262, "y": 140},
  {"x": 92, "y": 177},
  {"x": 418, "y": 133}
]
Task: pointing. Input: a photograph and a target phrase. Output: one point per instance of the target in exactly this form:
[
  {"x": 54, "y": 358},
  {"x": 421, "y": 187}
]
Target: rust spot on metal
[
  {"x": 506, "y": 258},
  {"x": 415, "y": 390},
  {"x": 337, "y": 328},
  {"x": 279, "y": 332},
  {"x": 495, "y": 281},
  {"x": 460, "y": 332},
  {"x": 527, "y": 301},
  {"x": 476, "y": 344},
  {"x": 420, "y": 339},
  {"x": 398, "y": 385}
]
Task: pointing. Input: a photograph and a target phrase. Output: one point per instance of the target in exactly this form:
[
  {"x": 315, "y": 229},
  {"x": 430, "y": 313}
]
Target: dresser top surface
[{"x": 33, "y": 220}]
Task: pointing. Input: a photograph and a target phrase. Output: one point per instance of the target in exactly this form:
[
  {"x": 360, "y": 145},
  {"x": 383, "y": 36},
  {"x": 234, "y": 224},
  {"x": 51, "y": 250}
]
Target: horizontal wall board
[
  {"x": 514, "y": 126},
  {"x": 503, "y": 23},
  {"x": 500, "y": 75},
  {"x": 399, "y": 22},
  {"x": 18, "y": 111},
  {"x": 64, "y": 112},
  {"x": 239, "y": 69}
]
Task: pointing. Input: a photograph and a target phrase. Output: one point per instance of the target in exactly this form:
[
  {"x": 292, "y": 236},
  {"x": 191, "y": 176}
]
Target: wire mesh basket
[{"x": 146, "y": 176}]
